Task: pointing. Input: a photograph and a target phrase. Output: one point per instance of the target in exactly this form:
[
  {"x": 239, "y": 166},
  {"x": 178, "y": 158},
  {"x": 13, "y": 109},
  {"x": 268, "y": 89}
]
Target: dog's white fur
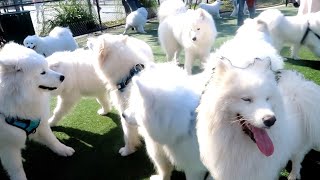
[
  {"x": 59, "y": 39},
  {"x": 213, "y": 9},
  {"x": 81, "y": 80},
  {"x": 236, "y": 8},
  {"x": 137, "y": 19},
  {"x": 162, "y": 103},
  {"x": 22, "y": 72},
  {"x": 116, "y": 55},
  {"x": 290, "y": 29},
  {"x": 223, "y": 145},
  {"x": 170, "y": 7},
  {"x": 194, "y": 31}
]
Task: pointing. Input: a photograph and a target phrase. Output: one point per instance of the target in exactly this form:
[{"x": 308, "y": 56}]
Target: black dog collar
[{"x": 133, "y": 71}]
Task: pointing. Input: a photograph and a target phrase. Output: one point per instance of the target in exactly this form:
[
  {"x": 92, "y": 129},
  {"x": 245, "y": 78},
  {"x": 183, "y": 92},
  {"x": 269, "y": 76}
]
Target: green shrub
[{"x": 69, "y": 12}]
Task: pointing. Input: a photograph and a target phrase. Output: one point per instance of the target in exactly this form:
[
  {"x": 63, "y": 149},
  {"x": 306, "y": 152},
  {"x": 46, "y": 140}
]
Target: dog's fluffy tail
[
  {"x": 60, "y": 31},
  {"x": 170, "y": 7},
  {"x": 272, "y": 17},
  {"x": 304, "y": 96}
]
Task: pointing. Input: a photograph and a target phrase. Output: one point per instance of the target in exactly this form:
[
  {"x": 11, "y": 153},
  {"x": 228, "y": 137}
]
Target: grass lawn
[{"x": 97, "y": 139}]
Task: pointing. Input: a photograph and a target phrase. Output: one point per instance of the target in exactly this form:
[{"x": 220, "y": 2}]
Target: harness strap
[
  {"x": 306, "y": 34},
  {"x": 133, "y": 71},
  {"x": 28, "y": 125}
]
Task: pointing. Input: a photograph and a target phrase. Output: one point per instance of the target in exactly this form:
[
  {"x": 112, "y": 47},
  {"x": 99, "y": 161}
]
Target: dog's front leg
[
  {"x": 131, "y": 138},
  {"x": 12, "y": 162},
  {"x": 188, "y": 61},
  {"x": 45, "y": 136}
]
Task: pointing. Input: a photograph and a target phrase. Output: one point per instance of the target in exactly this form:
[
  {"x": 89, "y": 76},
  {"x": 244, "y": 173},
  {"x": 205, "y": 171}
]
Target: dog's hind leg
[
  {"x": 296, "y": 165},
  {"x": 64, "y": 104},
  {"x": 160, "y": 160},
  {"x": 131, "y": 138},
  {"x": 294, "y": 51},
  {"x": 104, "y": 101},
  {"x": 140, "y": 29},
  {"x": 12, "y": 162}
]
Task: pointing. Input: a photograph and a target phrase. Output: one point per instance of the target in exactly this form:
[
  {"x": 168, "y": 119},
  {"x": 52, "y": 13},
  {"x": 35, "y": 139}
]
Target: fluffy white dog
[
  {"x": 163, "y": 106},
  {"x": 302, "y": 30},
  {"x": 249, "y": 114},
  {"x": 213, "y": 9},
  {"x": 170, "y": 7},
  {"x": 81, "y": 80},
  {"x": 59, "y": 39},
  {"x": 119, "y": 58},
  {"x": 194, "y": 31},
  {"x": 137, "y": 19},
  {"x": 26, "y": 82},
  {"x": 236, "y": 8}
]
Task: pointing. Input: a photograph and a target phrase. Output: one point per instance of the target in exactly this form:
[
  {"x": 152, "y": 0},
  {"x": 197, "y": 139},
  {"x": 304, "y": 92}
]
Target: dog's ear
[
  {"x": 54, "y": 66},
  {"x": 262, "y": 26},
  {"x": 101, "y": 48},
  {"x": 9, "y": 67},
  {"x": 222, "y": 66},
  {"x": 201, "y": 13},
  {"x": 143, "y": 89}
]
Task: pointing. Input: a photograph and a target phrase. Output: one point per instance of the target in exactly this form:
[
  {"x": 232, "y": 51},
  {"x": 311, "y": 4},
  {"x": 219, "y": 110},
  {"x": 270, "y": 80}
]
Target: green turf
[{"x": 97, "y": 139}]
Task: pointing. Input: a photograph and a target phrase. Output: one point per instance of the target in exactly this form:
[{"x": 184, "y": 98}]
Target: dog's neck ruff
[
  {"x": 307, "y": 32},
  {"x": 28, "y": 125},
  {"x": 125, "y": 81}
]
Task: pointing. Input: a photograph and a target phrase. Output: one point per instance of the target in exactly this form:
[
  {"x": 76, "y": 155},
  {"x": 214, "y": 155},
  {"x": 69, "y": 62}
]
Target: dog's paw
[
  {"x": 64, "y": 150},
  {"x": 293, "y": 176},
  {"x": 102, "y": 112},
  {"x": 125, "y": 151},
  {"x": 156, "y": 177}
]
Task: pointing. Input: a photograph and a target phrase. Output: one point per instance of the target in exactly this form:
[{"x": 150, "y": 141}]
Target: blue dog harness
[
  {"x": 28, "y": 125},
  {"x": 133, "y": 71}
]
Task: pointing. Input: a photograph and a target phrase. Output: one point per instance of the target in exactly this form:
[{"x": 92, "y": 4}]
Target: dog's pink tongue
[{"x": 263, "y": 141}]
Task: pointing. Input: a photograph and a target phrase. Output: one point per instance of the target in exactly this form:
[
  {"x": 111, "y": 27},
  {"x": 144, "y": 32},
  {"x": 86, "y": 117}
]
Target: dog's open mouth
[
  {"x": 258, "y": 135},
  {"x": 47, "y": 88}
]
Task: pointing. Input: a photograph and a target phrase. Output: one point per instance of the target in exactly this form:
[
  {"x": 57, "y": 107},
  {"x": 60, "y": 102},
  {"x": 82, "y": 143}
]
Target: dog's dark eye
[
  {"x": 43, "y": 72},
  {"x": 267, "y": 99},
  {"x": 198, "y": 29},
  {"x": 247, "y": 99}
]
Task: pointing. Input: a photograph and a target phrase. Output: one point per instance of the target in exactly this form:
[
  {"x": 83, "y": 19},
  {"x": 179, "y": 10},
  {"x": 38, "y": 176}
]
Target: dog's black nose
[
  {"x": 61, "y": 78},
  {"x": 124, "y": 115},
  {"x": 194, "y": 39},
  {"x": 269, "y": 120}
]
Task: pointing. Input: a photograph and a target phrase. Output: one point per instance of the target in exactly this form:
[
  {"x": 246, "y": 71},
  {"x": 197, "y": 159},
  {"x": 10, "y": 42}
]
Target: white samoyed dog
[
  {"x": 213, "y": 9},
  {"x": 59, "y": 39},
  {"x": 163, "y": 106},
  {"x": 81, "y": 80},
  {"x": 26, "y": 81},
  {"x": 137, "y": 19},
  {"x": 170, "y": 7},
  {"x": 194, "y": 31},
  {"x": 243, "y": 98},
  {"x": 302, "y": 30},
  {"x": 236, "y": 8},
  {"x": 119, "y": 58}
]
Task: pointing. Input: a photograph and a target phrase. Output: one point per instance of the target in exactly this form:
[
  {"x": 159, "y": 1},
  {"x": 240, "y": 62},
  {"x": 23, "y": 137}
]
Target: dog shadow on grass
[{"x": 307, "y": 63}]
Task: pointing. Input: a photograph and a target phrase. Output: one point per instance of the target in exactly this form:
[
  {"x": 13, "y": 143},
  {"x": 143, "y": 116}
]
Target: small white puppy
[
  {"x": 59, "y": 39},
  {"x": 137, "y": 19},
  {"x": 213, "y": 9}
]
